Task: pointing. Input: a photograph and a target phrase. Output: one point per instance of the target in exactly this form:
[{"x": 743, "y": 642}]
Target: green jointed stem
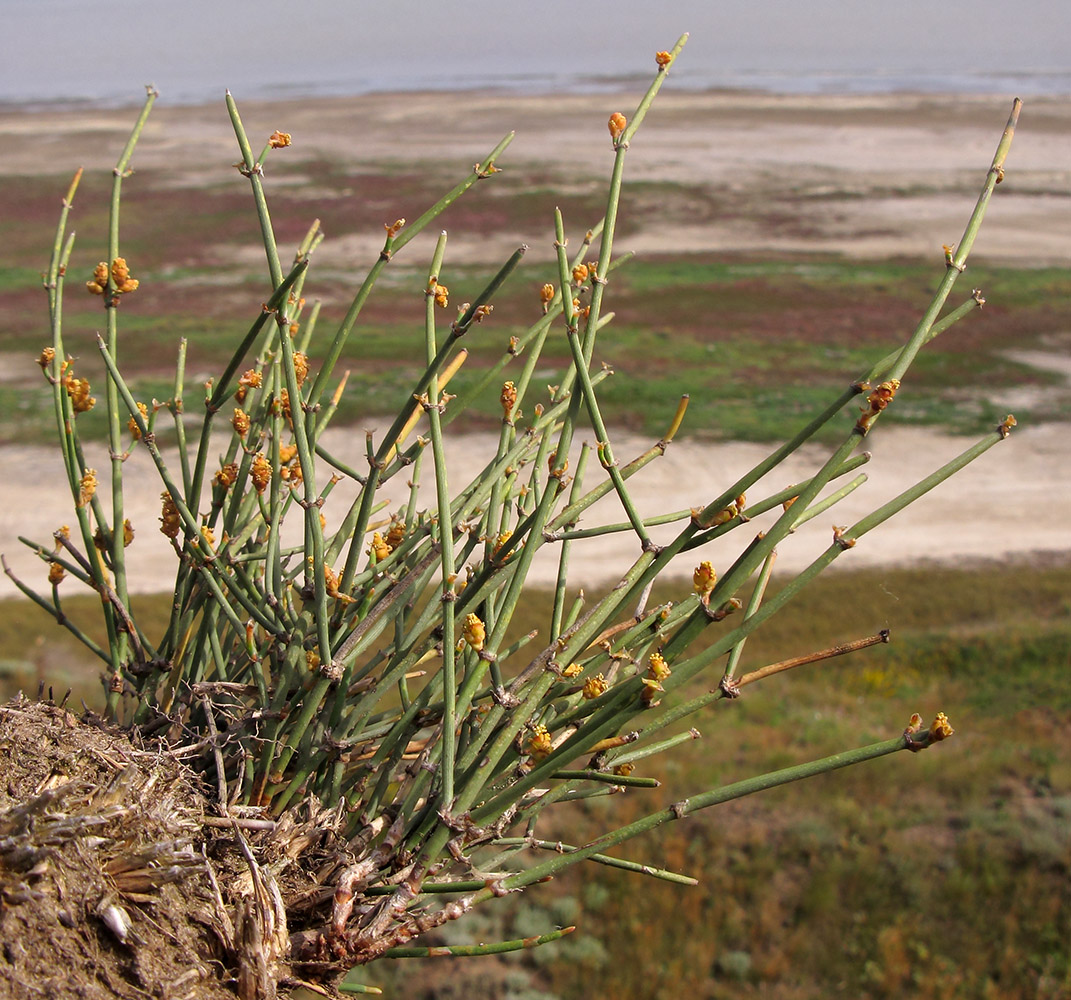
[
  {"x": 476, "y": 950},
  {"x": 753, "y": 605},
  {"x": 394, "y": 242},
  {"x": 253, "y": 170},
  {"x": 580, "y": 366},
  {"x": 696, "y": 802},
  {"x": 446, "y": 534}
]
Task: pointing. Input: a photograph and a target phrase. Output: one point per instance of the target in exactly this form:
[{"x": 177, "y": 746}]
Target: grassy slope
[{"x": 947, "y": 871}]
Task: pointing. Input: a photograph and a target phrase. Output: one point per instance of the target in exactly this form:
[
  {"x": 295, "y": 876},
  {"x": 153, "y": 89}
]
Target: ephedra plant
[{"x": 358, "y": 703}]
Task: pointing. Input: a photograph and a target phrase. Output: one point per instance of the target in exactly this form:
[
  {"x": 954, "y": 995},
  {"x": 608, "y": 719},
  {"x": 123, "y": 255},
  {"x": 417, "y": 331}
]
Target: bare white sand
[{"x": 1013, "y": 501}]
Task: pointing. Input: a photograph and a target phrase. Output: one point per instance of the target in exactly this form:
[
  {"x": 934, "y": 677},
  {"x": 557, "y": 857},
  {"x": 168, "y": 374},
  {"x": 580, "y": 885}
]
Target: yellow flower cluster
[
  {"x": 227, "y": 475},
  {"x": 726, "y": 514},
  {"x": 594, "y": 687},
  {"x": 703, "y": 579},
  {"x": 331, "y": 583},
  {"x": 240, "y": 422},
  {"x": 474, "y": 631},
  {"x": 379, "y": 547},
  {"x": 508, "y": 399},
  {"x": 252, "y": 379},
  {"x": 940, "y": 729},
  {"x": 132, "y": 424},
  {"x": 120, "y": 275},
  {"x": 657, "y": 671},
  {"x": 260, "y": 472},
  {"x": 878, "y": 399},
  {"x": 539, "y": 743},
  {"x": 301, "y": 367},
  {"x": 617, "y": 125},
  {"x": 87, "y": 487},
  {"x": 78, "y": 391},
  {"x": 170, "y": 522},
  {"x": 395, "y": 534}
]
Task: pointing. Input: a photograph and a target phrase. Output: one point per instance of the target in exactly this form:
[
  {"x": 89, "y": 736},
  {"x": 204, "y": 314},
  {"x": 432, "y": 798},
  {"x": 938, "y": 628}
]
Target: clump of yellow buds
[
  {"x": 170, "y": 522},
  {"x": 940, "y": 729},
  {"x": 56, "y": 573},
  {"x": 572, "y": 670},
  {"x": 546, "y": 293},
  {"x": 208, "y": 534},
  {"x": 726, "y": 514},
  {"x": 508, "y": 399},
  {"x": 240, "y": 422},
  {"x": 260, "y": 472},
  {"x": 580, "y": 273},
  {"x": 594, "y": 687},
  {"x": 395, "y": 534},
  {"x": 474, "y": 631},
  {"x": 616, "y": 125},
  {"x": 878, "y": 399},
  {"x": 87, "y": 487},
  {"x": 331, "y": 583},
  {"x": 227, "y": 475},
  {"x": 282, "y": 403},
  {"x": 657, "y": 668},
  {"x": 379, "y": 547},
  {"x": 252, "y": 379},
  {"x": 46, "y": 358},
  {"x": 78, "y": 391},
  {"x": 703, "y": 580},
  {"x": 540, "y": 744},
  {"x": 301, "y": 367},
  {"x": 99, "y": 281},
  {"x": 312, "y": 660},
  {"x": 132, "y": 424},
  {"x": 624, "y": 770},
  {"x": 440, "y": 293},
  {"x": 663, "y": 59},
  {"x": 279, "y": 140},
  {"x": 393, "y": 227},
  {"x": 120, "y": 276},
  {"x": 287, "y": 452}
]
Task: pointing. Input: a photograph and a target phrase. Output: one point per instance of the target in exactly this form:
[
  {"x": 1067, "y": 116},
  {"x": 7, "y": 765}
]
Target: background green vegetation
[{"x": 757, "y": 343}]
